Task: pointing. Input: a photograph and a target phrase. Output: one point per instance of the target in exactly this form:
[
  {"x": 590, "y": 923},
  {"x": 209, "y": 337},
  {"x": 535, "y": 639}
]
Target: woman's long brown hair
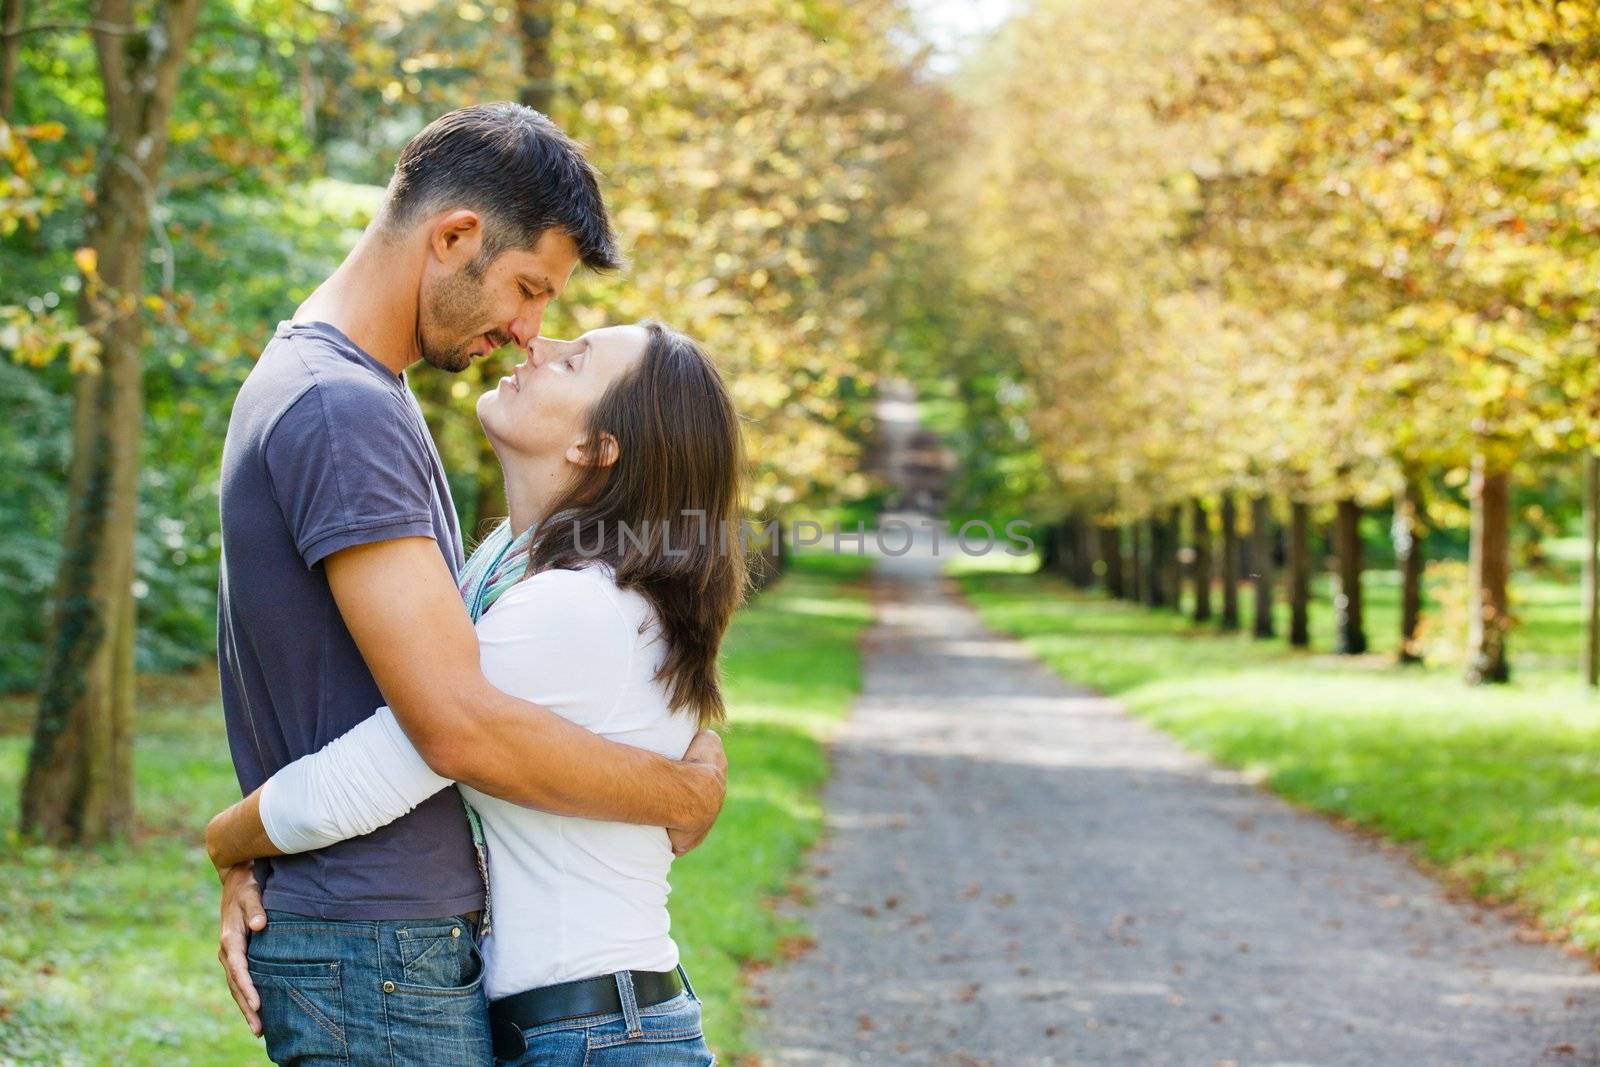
[{"x": 665, "y": 514}]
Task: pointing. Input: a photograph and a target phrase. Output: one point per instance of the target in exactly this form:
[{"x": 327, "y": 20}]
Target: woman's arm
[{"x": 366, "y": 778}]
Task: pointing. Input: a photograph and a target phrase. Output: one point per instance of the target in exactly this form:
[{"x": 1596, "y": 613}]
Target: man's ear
[
  {"x": 584, "y": 454},
  {"x": 456, "y": 236}
]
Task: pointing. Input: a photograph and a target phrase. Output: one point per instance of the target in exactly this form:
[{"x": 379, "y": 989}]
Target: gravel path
[{"x": 1016, "y": 872}]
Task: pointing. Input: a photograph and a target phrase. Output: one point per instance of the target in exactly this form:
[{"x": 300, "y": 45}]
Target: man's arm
[{"x": 402, "y": 607}]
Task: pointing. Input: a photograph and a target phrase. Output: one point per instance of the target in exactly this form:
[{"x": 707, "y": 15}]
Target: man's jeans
[{"x": 362, "y": 993}]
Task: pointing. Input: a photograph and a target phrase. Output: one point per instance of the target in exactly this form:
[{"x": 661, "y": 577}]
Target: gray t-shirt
[{"x": 327, "y": 449}]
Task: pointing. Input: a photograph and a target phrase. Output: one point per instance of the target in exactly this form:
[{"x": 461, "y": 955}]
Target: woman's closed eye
[{"x": 569, "y": 365}]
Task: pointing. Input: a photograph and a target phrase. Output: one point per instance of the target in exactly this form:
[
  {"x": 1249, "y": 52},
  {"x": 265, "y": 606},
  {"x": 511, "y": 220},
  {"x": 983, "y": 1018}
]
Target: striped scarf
[{"x": 496, "y": 565}]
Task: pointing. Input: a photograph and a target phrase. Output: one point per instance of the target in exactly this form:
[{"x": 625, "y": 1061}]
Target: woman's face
[{"x": 541, "y": 409}]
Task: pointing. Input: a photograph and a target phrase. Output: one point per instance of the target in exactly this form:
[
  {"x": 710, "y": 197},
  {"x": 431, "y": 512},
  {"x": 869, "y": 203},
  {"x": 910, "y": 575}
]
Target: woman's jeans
[
  {"x": 365, "y": 993},
  {"x": 663, "y": 1035}
]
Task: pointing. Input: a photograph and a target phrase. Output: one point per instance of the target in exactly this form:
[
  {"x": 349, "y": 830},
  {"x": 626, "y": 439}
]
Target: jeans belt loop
[{"x": 630, "y": 1004}]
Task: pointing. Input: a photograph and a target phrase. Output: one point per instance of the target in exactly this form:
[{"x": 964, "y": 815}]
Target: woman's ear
[{"x": 585, "y": 454}]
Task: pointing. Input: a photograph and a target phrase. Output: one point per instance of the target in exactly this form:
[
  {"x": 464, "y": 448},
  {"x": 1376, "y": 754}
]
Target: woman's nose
[{"x": 544, "y": 349}]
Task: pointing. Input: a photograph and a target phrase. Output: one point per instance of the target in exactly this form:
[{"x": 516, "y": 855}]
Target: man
[{"x": 338, "y": 594}]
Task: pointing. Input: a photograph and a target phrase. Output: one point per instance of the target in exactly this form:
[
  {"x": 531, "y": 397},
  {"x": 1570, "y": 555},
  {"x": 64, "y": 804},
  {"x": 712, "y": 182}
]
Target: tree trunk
[
  {"x": 1067, "y": 562},
  {"x": 1172, "y": 566},
  {"x": 1067, "y": 547},
  {"x": 10, "y": 49},
  {"x": 1084, "y": 555},
  {"x": 1155, "y": 593},
  {"x": 1200, "y": 532},
  {"x": 1136, "y": 563},
  {"x": 1230, "y": 563},
  {"x": 1352, "y": 640},
  {"x": 1299, "y": 574},
  {"x": 307, "y": 77},
  {"x": 1409, "y": 529},
  {"x": 79, "y": 782},
  {"x": 1261, "y": 538},
  {"x": 1050, "y": 549},
  {"x": 1111, "y": 557},
  {"x": 1489, "y": 567},
  {"x": 535, "y": 26},
  {"x": 1591, "y": 568}
]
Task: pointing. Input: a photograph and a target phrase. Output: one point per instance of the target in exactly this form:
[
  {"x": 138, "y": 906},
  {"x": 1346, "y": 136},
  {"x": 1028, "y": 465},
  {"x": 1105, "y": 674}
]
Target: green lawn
[
  {"x": 1498, "y": 787},
  {"x": 109, "y": 956}
]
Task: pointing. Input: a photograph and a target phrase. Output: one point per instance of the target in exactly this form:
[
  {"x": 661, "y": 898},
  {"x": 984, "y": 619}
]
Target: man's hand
[
  {"x": 241, "y": 914},
  {"x": 706, "y": 751}
]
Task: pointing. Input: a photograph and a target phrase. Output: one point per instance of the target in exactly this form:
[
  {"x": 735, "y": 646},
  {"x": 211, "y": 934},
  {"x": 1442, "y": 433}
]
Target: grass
[
  {"x": 1496, "y": 787},
  {"x": 109, "y": 955}
]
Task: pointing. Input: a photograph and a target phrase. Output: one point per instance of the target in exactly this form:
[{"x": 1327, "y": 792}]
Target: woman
[{"x": 604, "y": 597}]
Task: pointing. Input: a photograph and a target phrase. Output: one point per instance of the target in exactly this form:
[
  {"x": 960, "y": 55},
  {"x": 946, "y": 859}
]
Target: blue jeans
[
  {"x": 360, "y": 993},
  {"x": 663, "y": 1035}
]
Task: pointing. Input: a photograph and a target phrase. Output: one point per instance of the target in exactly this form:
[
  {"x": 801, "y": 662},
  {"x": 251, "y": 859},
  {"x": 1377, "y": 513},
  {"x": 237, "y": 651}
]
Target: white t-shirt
[{"x": 572, "y": 898}]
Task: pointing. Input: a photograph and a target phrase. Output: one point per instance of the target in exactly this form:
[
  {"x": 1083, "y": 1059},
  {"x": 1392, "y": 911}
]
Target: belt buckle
[{"x": 509, "y": 1043}]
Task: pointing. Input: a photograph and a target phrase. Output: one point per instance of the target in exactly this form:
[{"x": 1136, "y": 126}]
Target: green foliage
[
  {"x": 110, "y": 955},
  {"x": 32, "y": 500}
]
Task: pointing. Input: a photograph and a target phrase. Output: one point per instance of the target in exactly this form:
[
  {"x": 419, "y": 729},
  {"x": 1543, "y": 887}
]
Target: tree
[
  {"x": 1109, "y": 536},
  {"x": 1230, "y": 564},
  {"x": 1200, "y": 527},
  {"x": 10, "y": 49},
  {"x": 1172, "y": 564},
  {"x": 1591, "y": 568},
  {"x": 1409, "y": 531},
  {"x": 1489, "y": 570},
  {"x": 79, "y": 783},
  {"x": 1299, "y": 574},
  {"x": 1157, "y": 594},
  {"x": 1261, "y": 545},
  {"x": 1138, "y": 589},
  {"x": 1347, "y": 606}
]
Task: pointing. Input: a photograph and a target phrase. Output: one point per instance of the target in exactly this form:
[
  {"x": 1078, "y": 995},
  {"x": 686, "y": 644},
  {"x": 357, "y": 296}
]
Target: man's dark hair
[{"x": 514, "y": 167}]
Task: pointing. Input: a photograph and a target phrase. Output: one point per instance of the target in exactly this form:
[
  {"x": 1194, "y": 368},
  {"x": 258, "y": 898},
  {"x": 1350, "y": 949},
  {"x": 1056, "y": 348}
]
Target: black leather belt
[{"x": 510, "y": 1016}]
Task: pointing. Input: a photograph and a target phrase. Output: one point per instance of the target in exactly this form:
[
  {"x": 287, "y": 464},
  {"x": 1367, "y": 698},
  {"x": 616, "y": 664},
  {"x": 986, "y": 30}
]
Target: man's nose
[{"x": 525, "y": 327}]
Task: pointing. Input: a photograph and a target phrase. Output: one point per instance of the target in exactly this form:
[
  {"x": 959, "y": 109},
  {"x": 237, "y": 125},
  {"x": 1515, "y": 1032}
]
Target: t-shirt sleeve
[
  {"x": 560, "y": 639},
  {"x": 347, "y": 469}
]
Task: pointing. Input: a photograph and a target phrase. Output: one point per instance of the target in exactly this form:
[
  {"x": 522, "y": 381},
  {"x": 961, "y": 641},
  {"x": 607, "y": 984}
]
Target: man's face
[{"x": 470, "y": 307}]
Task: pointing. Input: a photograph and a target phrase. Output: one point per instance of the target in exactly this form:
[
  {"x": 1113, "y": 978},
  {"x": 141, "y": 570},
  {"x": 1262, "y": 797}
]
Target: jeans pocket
[
  {"x": 433, "y": 1025},
  {"x": 441, "y": 956},
  {"x": 552, "y": 1048},
  {"x": 671, "y": 1027},
  {"x": 436, "y": 1011},
  {"x": 302, "y": 1012}
]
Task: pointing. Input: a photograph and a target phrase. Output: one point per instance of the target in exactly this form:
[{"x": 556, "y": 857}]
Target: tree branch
[{"x": 14, "y": 32}]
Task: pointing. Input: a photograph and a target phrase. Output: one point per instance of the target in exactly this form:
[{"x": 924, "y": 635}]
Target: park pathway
[{"x": 1017, "y": 872}]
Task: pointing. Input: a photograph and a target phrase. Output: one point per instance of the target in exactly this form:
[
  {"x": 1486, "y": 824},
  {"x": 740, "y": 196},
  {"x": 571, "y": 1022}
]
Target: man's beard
[{"x": 455, "y": 307}]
